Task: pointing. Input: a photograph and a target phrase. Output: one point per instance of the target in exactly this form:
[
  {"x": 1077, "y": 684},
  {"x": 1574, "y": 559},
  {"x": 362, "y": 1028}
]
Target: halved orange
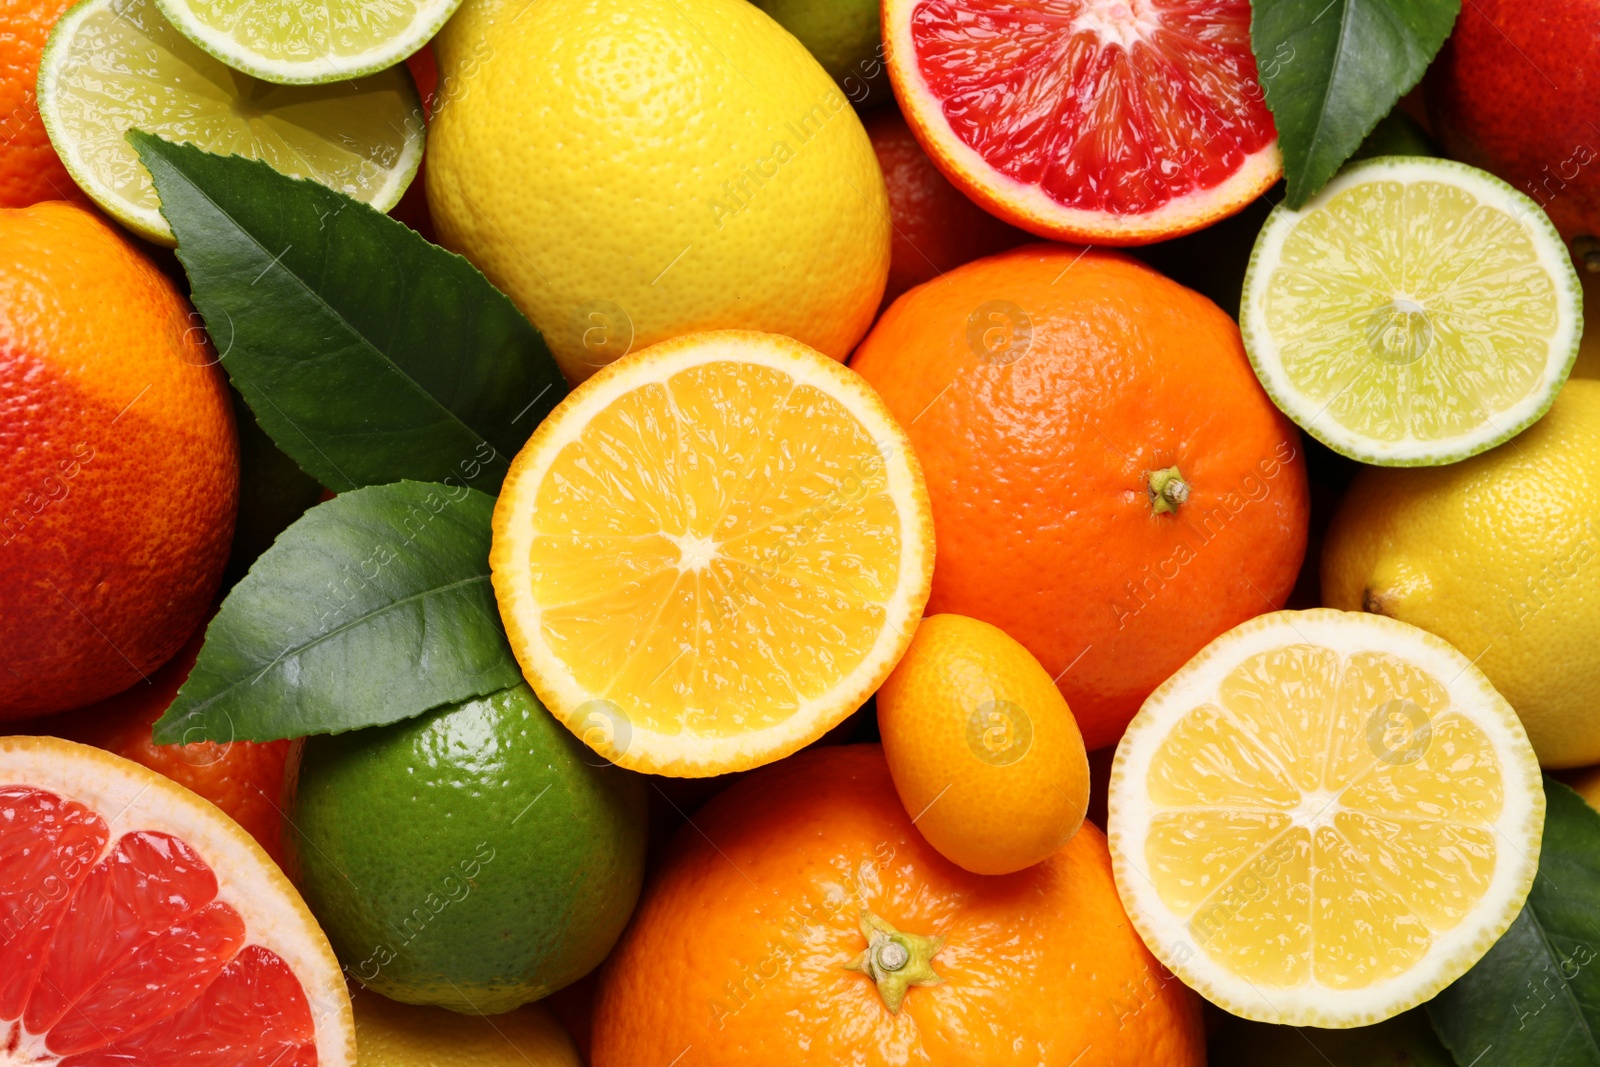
[
  {"x": 711, "y": 552},
  {"x": 1113, "y": 122},
  {"x": 140, "y": 925}
]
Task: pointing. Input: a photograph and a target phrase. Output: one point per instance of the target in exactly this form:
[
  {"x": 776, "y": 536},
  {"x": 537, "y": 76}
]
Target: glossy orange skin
[
  {"x": 736, "y": 952},
  {"x": 936, "y": 228},
  {"x": 1513, "y": 91},
  {"x": 29, "y": 169},
  {"x": 243, "y": 778},
  {"x": 1038, "y": 468},
  {"x": 119, "y": 468},
  {"x": 736, "y": 955}
]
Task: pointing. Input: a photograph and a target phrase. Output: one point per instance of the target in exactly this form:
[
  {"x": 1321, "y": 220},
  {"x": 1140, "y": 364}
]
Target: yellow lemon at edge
[
  {"x": 1499, "y": 555},
  {"x": 390, "y": 1034}
]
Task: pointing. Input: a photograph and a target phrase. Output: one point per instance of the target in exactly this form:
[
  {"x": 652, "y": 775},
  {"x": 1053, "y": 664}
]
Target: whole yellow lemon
[
  {"x": 389, "y": 1034},
  {"x": 1500, "y": 556},
  {"x": 631, "y": 170}
]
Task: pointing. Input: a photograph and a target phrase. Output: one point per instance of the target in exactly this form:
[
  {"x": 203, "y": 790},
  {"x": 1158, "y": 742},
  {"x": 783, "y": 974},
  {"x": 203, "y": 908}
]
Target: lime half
[
  {"x": 309, "y": 42},
  {"x": 1416, "y": 312},
  {"x": 112, "y": 65}
]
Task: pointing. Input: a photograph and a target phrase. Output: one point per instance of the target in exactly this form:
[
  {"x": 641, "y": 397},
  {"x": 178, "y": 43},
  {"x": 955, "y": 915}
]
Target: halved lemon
[
  {"x": 711, "y": 552},
  {"x": 1324, "y": 818},
  {"x": 115, "y": 65},
  {"x": 1415, "y": 312}
]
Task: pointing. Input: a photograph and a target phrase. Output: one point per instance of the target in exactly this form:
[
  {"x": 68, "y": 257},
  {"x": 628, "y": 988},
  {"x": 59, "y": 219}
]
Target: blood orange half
[
  {"x": 1106, "y": 121},
  {"x": 141, "y": 926}
]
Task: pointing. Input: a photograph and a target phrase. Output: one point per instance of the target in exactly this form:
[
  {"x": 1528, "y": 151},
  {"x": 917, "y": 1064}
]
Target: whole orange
[
  {"x": 243, "y": 778},
  {"x": 29, "y": 169},
  {"x": 983, "y": 751},
  {"x": 803, "y": 915},
  {"x": 936, "y": 228},
  {"x": 119, "y": 469},
  {"x": 1110, "y": 484}
]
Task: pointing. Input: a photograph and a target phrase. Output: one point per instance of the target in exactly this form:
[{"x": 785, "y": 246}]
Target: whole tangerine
[
  {"x": 803, "y": 911},
  {"x": 1110, "y": 484},
  {"x": 246, "y": 779},
  {"x": 119, "y": 467},
  {"x": 936, "y": 227}
]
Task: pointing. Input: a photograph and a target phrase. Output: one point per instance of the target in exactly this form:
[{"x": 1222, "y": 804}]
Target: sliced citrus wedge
[
  {"x": 1324, "y": 818},
  {"x": 115, "y": 65},
  {"x": 143, "y": 926},
  {"x": 711, "y": 552},
  {"x": 1415, "y": 312},
  {"x": 307, "y": 42},
  {"x": 1104, "y": 121}
]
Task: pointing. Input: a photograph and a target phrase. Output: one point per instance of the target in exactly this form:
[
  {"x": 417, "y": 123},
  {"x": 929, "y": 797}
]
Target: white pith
[{"x": 1518, "y": 827}]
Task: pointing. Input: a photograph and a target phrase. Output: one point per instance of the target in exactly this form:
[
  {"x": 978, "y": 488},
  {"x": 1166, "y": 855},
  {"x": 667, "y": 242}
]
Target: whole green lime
[
  {"x": 474, "y": 858},
  {"x": 842, "y": 35}
]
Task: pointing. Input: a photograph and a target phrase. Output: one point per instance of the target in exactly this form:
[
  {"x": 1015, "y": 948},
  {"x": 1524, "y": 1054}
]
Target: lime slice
[
  {"x": 112, "y": 65},
  {"x": 1416, "y": 312},
  {"x": 309, "y": 42}
]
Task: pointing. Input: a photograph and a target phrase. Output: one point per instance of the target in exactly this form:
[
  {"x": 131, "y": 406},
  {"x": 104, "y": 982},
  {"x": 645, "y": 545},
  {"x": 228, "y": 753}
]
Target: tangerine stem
[{"x": 1167, "y": 490}]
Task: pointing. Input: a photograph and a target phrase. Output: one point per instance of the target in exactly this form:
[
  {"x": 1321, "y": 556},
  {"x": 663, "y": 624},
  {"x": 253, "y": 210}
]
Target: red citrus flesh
[
  {"x": 115, "y": 953},
  {"x": 1115, "y": 121}
]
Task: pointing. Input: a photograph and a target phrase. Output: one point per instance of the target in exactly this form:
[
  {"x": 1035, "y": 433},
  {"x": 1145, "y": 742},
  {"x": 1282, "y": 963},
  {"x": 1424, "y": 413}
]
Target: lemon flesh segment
[
  {"x": 712, "y": 554},
  {"x": 1415, "y": 312},
  {"x": 309, "y": 42},
  {"x": 1324, "y": 818},
  {"x": 115, "y": 65}
]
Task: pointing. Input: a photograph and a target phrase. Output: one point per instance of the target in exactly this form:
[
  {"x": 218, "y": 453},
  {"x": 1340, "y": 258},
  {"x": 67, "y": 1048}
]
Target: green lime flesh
[
  {"x": 1415, "y": 312},
  {"x": 474, "y": 858},
  {"x": 115, "y": 65}
]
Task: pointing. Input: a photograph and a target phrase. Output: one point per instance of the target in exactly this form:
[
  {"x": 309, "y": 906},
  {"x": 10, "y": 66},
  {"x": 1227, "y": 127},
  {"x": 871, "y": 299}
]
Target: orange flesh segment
[
  {"x": 751, "y": 516},
  {"x": 1118, "y": 106}
]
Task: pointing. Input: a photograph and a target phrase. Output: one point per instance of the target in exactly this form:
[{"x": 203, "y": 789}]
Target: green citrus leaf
[
  {"x": 368, "y": 354},
  {"x": 1332, "y": 68},
  {"x": 1534, "y": 998},
  {"x": 371, "y": 608}
]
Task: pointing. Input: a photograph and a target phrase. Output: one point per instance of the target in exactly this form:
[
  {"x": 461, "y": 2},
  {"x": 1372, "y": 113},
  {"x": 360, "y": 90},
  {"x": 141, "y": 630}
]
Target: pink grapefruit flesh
[
  {"x": 121, "y": 943},
  {"x": 1106, "y": 121}
]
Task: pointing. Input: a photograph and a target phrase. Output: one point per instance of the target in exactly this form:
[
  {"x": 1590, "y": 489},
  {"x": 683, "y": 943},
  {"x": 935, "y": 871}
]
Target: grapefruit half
[
  {"x": 1114, "y": 122},
  {"x": 139, "y": 925}
]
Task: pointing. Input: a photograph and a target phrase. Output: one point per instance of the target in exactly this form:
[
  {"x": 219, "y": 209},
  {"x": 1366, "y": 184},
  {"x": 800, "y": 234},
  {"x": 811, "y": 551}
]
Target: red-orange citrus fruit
[
  {"x": 804, "y": 919},
  {"x": 1512, "y": 92},
  {"x": 29, "y": 168},
  {"x": 243, "y": 778},
  {"x": 1108, "y": 121},
  {"x": 1110, "y": 485},
  {"x": 935, "y": 226},
  {"x": 142, "y": 926},
  {"x": 119, "y": 469}
]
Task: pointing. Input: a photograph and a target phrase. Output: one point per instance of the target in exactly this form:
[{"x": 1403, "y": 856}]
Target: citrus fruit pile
[{"x": 877, "y": 532}]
